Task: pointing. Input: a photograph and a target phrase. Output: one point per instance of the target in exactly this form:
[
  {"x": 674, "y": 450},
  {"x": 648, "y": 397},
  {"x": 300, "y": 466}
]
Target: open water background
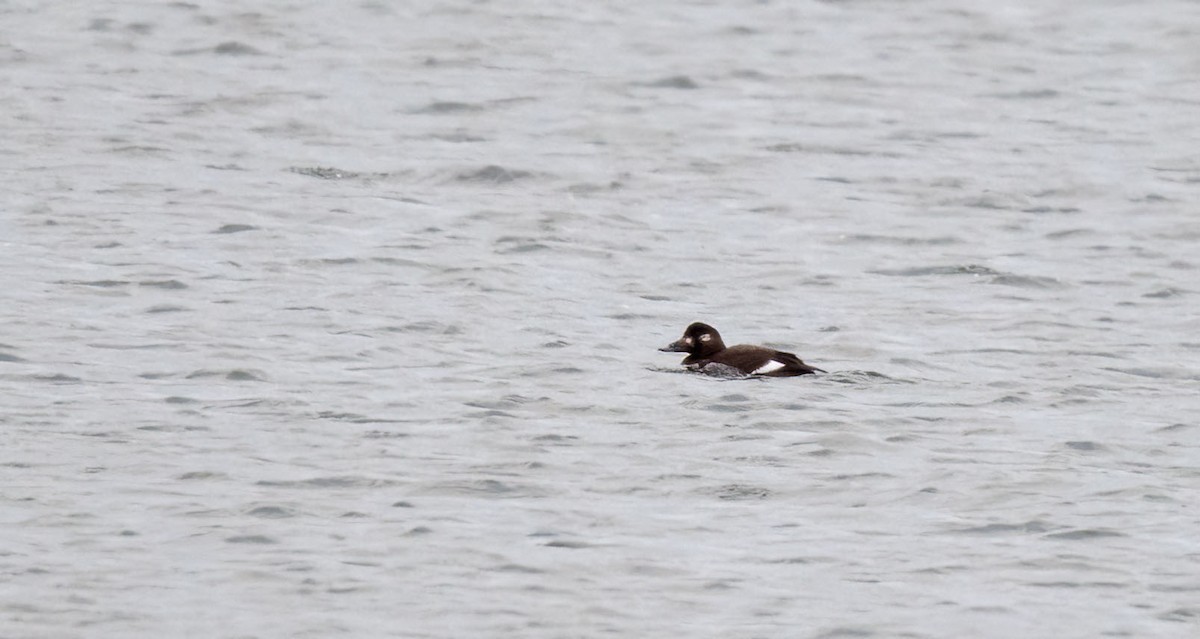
[{"x": 339, "y": 319}]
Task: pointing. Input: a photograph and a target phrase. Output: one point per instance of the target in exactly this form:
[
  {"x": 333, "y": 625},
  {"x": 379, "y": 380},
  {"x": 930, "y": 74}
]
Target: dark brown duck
[{"x": 704, "y": 346}]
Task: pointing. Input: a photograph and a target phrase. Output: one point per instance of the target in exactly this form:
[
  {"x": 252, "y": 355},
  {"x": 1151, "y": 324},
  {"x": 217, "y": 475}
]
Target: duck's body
[{"x": 704, "y": 346}]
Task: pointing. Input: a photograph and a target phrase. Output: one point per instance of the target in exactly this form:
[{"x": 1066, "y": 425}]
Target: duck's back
[{"x": 760, "y": 360}]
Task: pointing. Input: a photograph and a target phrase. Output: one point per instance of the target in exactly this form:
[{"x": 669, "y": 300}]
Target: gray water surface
[{"x": 340, "y": 319}]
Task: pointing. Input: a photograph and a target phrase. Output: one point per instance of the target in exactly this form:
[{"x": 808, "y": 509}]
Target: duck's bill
[{"x": 675, "y": 347}]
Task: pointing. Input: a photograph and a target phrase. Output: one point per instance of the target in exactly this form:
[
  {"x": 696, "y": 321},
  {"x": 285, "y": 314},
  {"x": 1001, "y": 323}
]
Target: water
[{"x": 341, "y": 320}]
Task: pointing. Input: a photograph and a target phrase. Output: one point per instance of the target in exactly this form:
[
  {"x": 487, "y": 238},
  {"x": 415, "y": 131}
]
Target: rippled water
[{"x": 328, "y": 319}]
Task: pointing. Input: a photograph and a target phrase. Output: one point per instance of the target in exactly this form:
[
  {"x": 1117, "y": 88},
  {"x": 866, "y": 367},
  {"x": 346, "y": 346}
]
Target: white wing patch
[{"x": 770, "y": 367}]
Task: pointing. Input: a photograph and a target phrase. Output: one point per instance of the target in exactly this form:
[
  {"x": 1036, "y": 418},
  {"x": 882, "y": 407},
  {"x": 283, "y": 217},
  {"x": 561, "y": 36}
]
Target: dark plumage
[{"x": 703, "y": 345}]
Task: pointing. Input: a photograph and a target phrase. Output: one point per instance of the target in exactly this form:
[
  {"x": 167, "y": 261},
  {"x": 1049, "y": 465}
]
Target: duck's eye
[{"x": 706, "y": 338}]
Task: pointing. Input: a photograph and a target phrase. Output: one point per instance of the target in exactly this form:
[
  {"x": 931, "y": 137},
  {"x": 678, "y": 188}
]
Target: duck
[{"x": 704, "y": 347}]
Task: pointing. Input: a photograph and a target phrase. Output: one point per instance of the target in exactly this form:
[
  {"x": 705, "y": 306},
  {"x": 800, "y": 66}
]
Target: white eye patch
[
  {"x": 706, "y": 338},
  {"x": 689, "y": 341}
]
